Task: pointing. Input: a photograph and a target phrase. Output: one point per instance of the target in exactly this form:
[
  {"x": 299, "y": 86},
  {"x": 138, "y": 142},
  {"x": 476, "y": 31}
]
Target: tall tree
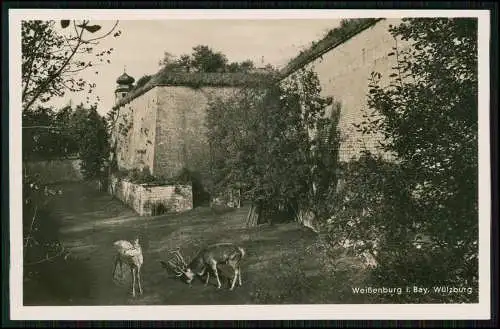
[
  {"x": 204, "y": 59},
  {"x": 90, "y": 131},
  {"x": 262, "y": 142}
]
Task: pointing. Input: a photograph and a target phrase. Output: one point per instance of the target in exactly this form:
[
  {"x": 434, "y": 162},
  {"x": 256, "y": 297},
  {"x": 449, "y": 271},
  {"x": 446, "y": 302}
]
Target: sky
[{"x": 142, "y": 44}]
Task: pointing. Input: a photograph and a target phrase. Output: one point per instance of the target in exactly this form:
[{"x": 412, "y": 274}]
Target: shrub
[{"x": 428, "y": 114}]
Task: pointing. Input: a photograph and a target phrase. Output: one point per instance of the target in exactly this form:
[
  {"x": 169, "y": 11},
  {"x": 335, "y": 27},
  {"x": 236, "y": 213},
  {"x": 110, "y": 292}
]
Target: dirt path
[{"x": 91, "y": 221}]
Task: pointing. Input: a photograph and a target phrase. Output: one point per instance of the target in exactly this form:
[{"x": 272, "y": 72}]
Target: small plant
[{"x": 160, "y": 208}]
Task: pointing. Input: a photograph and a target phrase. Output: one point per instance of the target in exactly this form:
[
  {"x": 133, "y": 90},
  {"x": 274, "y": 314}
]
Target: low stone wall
[
  {"x": 149, "y": 200},
  {"x": 56, "y": 170}
]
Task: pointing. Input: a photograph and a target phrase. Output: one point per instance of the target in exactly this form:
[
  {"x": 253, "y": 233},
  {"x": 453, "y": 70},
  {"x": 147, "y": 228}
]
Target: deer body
[
  {"x": 207, "y": 259},
  {"x": 130, "y": 255}
]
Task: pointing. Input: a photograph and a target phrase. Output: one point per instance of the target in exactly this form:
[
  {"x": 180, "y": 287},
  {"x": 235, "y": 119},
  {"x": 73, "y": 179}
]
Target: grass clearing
[{"x": 281, "y": 265}]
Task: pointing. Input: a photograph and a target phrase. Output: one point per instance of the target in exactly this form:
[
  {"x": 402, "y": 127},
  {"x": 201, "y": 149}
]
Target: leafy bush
[
  {"x": 428, "y": 115},
  {"x": 40, "y": 226},
  {"x": 47, "y": 134},
  {"x": 359, "y": 208},
  {"x": 142, "y": 81},
  {"x": 375, "y": 215},
  {"x": 311, "y": 276},
  {"x": 276, "y": 144}
]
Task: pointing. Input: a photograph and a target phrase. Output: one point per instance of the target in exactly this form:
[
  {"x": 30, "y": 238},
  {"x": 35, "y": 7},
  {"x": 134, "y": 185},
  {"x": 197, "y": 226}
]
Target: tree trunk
[{"x": 254, "y": 214}]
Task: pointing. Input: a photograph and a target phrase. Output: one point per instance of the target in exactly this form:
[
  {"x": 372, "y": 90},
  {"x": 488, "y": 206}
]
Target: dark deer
[{"x": 206, "y": 261}]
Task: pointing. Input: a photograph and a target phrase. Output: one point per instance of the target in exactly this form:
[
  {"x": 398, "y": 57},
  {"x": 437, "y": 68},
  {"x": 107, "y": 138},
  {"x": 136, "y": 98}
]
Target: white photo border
[{"x": 479, "y": 311}]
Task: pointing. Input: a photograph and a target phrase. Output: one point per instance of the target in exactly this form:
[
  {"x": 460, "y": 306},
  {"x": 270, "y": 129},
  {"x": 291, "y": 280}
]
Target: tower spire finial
[{"x": 124, "y": 68}]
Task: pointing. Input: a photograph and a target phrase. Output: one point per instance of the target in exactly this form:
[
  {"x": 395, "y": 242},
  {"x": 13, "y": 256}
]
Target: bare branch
[
  {"x": 77, "y": 70},
  {"x": 105, "y": 35},
  {"x": 68, "y": 43},
  {"x": 74, "y": 26}
]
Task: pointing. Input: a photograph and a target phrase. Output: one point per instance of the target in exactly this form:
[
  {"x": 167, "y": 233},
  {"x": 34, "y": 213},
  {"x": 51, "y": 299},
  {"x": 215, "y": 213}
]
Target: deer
[
  {"x": 129, "y": 254},
  {"x": 206, "y": 261}
]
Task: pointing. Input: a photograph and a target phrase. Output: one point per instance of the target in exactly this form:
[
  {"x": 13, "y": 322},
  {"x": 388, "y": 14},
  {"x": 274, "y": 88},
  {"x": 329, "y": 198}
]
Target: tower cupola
[{"x": 125, "y": 83}]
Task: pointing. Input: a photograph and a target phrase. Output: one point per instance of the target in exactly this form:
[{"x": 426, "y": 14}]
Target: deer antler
[
  {"x": 176, "y": 268},
  {"x": 178, "y": 264},
  {"x": 177, "y": 254},
  {"x": 179, "y": 259}
]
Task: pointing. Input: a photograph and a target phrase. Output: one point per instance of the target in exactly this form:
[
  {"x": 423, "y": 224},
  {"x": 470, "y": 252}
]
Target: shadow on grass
[{"x": 59, "y": 282}]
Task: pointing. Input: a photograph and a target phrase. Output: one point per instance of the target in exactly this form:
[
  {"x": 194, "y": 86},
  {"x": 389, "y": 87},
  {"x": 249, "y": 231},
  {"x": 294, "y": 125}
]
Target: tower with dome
[{"x": 125, "y": 84}]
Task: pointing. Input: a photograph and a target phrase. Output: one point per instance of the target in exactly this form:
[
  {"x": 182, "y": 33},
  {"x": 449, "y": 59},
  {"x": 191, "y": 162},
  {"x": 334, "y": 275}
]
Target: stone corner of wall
[{"x": 149, "y": 200}]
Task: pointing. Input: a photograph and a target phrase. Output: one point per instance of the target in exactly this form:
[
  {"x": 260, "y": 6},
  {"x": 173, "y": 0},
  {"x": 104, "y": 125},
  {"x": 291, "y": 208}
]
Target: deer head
[{"x": 180, "y": 267}]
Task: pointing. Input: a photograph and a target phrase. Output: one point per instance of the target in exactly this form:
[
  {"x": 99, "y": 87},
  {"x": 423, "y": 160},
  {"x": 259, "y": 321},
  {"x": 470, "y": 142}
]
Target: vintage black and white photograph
[{"x": 227, "y": 160}]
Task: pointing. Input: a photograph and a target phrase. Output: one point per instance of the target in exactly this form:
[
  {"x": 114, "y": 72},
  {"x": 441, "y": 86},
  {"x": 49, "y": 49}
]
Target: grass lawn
[{"x": 278, "y": 268}]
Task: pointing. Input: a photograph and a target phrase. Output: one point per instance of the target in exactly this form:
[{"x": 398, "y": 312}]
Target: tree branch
[
  {"x": 103, "y": 36},
  {"x": 43, "y": 88},
  {"x": 77, "y": 70},
  {"x": 32, "y": 60}
]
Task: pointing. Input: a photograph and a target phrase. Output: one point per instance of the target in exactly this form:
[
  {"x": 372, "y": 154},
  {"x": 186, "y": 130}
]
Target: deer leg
[
  {"x": 139, "y": 280},
  {"x": 208, "y": 278},
  {"x": 236, "y": 271},
  {"x": 214, "y": 268},
  {"x": 239, "y": 275},
  {"x": 122, "y": 275},
  {"x": 132, "y": 270},
  {"x": 116, "y": 265}
]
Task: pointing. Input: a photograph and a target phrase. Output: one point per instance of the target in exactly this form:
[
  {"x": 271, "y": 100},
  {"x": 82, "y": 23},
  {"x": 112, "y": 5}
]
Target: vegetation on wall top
[
  {"x": 144, "y": 177},
  {"x": 204, "y": 59},
  {"x": 198, "y": 80},
  {"x": 205, "y": 67},
  {"x": 347, "y": 29}
]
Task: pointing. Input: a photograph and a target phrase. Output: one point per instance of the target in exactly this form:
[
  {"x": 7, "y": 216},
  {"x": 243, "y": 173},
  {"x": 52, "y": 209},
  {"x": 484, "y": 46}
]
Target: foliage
[
  {"x": 347, "y": 29},
  {"x": 203, "y": 59},
  {"x": 144, "y": 176},
  {"x": 418, "y": 216},
  {"x": 51, "y": 60},
  {"x": 53, "y": 56},
  {"x": 39, "y": 228},
  {"x": 264, "y": 142},
  {"x": 142, "y": 81},
  {"x": 245, "y": 66},
  {"x": 80, "y": 132},
  {"x": 46, "y": 134},
  {"x": 370, "y": 206},
  {"x": 93, "y": 142}
]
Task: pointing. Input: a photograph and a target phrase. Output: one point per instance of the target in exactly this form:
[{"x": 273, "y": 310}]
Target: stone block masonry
[
  {"x": 344, "y": 73},
  {"x": 181, "y": 133},
  {"x": 149, "y": 200}
]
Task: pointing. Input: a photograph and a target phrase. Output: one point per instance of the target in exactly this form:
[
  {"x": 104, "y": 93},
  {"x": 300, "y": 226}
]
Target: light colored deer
[
  {"x": 206, "y": 261},
  {"x": 129, "y": 254}
]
